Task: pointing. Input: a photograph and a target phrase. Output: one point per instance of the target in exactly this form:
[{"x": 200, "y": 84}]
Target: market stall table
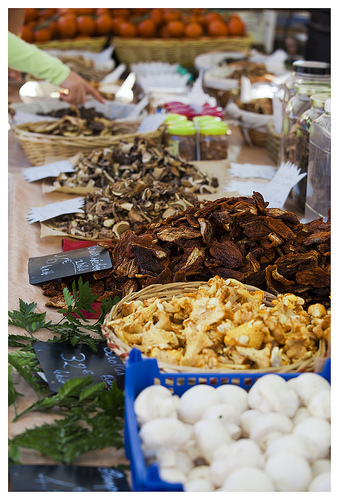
[{"x": 25, "y": 242}]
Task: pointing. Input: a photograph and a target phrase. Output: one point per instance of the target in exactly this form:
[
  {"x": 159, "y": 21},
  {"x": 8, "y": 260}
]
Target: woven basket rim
[
  {"x": 169, "y": 42},
  {"x": 179, "y": 289},
  {"x": 80, "y": 140}
]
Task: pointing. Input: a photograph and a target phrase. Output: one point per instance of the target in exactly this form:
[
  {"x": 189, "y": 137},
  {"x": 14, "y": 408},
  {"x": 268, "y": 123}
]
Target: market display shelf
[{"x": 141, "y": 373}]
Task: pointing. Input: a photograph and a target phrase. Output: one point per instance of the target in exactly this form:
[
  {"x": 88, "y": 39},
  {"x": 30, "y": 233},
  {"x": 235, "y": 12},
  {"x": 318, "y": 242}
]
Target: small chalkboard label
[
  {"x": 67, "y": 478},
  {"x": 61, "y": 362},
  {"x": 60, "y": 265}
]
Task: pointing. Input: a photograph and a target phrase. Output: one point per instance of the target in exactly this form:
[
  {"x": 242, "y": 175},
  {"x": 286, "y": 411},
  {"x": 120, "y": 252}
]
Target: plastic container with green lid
[
  {"x": 181, "y": 140},
  {"x": 202, "y": 119},
  {"x": 174, "y": 117},
  {"x": 213, "y": 141}
]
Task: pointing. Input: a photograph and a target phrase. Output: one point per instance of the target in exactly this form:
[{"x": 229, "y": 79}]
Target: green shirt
[{"x": 27, "y": 58}]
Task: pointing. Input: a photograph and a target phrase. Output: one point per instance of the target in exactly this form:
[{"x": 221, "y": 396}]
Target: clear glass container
[
  {"x": 213, "y": 141},
  {"x": 302, "y": 145},
  {"x": 182, "y": 140},
  {"x": 306, "y": 71},
  {"x": 318, "y": 191},
  {"x": 296, "y": 106}
]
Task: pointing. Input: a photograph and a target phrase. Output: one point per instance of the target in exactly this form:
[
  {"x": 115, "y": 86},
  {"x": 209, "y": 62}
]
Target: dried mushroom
[
  {"x": 237, "y": 237},
  {"x": 221, "y": 324},
  {"x": 76, "y": 126},
  {"x": 135, "y": 160}
]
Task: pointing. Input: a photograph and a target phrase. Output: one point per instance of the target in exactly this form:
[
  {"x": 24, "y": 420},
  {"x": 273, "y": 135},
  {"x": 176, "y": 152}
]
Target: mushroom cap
[
  {"x": 308, "y": 384},
  {"x": 320, "y": 404},
  {"x": 234, "y": 395},
  {"x": 271, "y": 393},
  {"x": 197, "y": 485},
  {"x": 268, "y": 423},
  {"x": 322, "y": 482},
  {"x": 288, "y": 471},
  {"x": 244, "y": 452},
  {"x": 195, "y": 401},
  {"x": 153, "y": 402},
  {"x": 209, "y": 434},
  {"x": 164, "y": 433},
  {"x": 293, "y": 443},
  {"x": 246, "y": 420},
  {"x": 317, "y": 430},
  {"x": 248, "y": 479},
  {"x": 321, "y": 465},
  {"x": 172, "y": 475},
  {"x": 223, "y": 412}
]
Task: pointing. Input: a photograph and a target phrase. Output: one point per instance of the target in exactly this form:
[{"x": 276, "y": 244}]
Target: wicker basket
[
  {"x": 43, "y": 148},
  {"x": 92, "y": 44},
  {"x": 180, "y": 51},
  {"x": 171, "y": 290},
  {"x": 273, "y": 143}
]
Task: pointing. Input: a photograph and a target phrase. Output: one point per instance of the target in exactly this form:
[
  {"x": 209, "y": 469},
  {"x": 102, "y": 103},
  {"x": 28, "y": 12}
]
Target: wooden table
[{"x": 25, "y": 242}]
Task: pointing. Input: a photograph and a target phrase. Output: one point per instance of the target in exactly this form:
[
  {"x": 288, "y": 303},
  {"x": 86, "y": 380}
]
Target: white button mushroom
[
  {"x": 227, "y": 415},
  {"x": 246, "y": 420},
  {"x": 244, "y": 452},
  {"x": 308, "y": 384},
  {"x": 268, "y": 424},
  {"x": 199, "y": 472},
  {"x": 198, "y": 485},
  {"x": 153, "y": 402},
  {"x": 301, "y": 414},
  {"x": 210, "y": 434},
  {"x": 271, "y": 393},
  {"x": 288, "y": 471},
  {"x": 321, "y": 465},
  {"x": 164, "y": 433},
  {"x": 321, "y": 482},
  {"x": 293, "y": 443},
  {"x": 171, "y": 475},
  {"x": 195, "y": 401},
  {"x": 317, "y": 430},
  {"x": 248, "y": 479},
  {"x": 234, "y": 395},
  {"x": 320, "y": 404}
]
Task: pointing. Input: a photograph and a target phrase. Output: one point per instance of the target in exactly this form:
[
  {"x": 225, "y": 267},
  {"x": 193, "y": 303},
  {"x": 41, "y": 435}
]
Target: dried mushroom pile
[
  {"x": 236, "y": 237},
  {"x": 222, "y": 325},
  {"x": 74, "y": 126},
  {"x": 141, "y": 183},
  {"x": 135, "y": 160},
  {"x": 124, "y": 205}
]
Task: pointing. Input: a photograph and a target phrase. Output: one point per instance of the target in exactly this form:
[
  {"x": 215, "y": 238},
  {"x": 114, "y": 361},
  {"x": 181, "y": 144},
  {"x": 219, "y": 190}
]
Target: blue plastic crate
[{"x": 141, "y": 373}]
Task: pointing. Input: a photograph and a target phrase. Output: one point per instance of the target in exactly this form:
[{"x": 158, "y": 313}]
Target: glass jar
[
  {"x": 182, "y": 140},
  {"x": 302, "y": 145},
  {"x": 296, "y": 106},
  {"x": 306, "y": 71},
  {"x": 213, "y": 142},
  {"x": 318, "y": 191}
]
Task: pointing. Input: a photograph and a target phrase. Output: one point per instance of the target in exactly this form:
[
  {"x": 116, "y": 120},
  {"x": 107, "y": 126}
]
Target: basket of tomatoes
[
  {"x": 178, "y": 35},
  {"x": 139, "y": 34}
]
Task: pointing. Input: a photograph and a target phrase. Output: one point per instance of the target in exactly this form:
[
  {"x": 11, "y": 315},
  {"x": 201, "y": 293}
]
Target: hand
[{"x": 78, "y": 88}]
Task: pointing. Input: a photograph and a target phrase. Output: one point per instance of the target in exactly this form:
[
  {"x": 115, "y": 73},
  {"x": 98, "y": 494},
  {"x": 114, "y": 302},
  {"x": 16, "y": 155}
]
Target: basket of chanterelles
[{"x": 221, "y": 325}]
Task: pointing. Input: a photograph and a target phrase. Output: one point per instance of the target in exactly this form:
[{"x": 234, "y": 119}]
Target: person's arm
[{"x": 28, "y": 58}]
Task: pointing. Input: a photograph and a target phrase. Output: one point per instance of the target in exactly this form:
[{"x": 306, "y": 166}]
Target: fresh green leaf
[
  {"x": 12, "y": 393},
  {"x": 26, "y": 364}
]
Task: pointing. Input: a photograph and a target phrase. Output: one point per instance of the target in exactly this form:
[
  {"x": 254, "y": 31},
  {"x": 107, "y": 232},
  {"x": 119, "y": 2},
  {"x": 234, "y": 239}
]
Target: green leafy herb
[
  {"x": 12, "y": 392},
  {"x": 79, "y": 432}
]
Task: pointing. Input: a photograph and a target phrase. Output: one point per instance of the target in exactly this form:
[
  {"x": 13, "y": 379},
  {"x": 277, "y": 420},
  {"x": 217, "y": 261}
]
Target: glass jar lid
[
  {"x": 312, "y": 67},
  {"x": 307, "y": 88},
  {"x": 318, "y": 100}
]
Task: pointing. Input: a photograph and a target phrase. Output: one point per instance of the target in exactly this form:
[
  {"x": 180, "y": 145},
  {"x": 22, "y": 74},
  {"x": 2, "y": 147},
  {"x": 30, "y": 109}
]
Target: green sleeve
[{"x": 28, "y": 58}]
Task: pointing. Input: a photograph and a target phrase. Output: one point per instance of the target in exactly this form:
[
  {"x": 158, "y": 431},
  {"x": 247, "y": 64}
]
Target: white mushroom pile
[{"x": 274, "y": 437}]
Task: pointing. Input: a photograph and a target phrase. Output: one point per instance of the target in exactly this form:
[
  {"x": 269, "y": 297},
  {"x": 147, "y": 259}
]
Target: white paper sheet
[{"x": 40, "y": 214}]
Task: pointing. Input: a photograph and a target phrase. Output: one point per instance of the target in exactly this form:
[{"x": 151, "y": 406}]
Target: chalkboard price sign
[
  {"x": 62, "y": 362},
  {"x": 67, "y": 478},
  {"x": 60, "y": 265}
]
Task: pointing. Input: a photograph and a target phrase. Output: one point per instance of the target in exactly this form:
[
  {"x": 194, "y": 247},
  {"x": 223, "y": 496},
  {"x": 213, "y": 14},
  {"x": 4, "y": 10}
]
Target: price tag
[
  {"x": 60, "y": 265},
  {"x": 62, "y": 362},
  {"x": 66, "y": 478}
]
